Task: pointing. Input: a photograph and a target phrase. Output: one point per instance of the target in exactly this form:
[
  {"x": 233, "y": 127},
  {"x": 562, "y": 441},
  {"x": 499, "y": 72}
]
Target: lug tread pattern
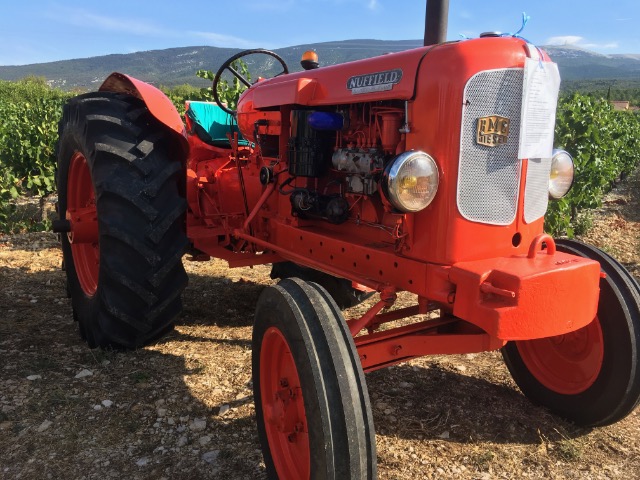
[
  {"x": 122, "y": 191},
  {"x": 145, "y": 294},
  {"x": 131, "y": 240},
  {"x": 140, "y": 217},
  {"x": 164, "y": 226},
  {"x": 157, "y": 277},
  {"x": 162, "y": 178},
  {"x": 120, "y": 155}
]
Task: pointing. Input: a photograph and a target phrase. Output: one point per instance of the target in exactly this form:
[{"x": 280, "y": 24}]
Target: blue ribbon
[{"x": 525, "y": 20}]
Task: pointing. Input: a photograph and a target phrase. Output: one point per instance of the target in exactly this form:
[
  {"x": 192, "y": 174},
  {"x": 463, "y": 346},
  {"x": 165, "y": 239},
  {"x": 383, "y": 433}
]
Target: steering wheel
[{"x": 227, "y": 66}]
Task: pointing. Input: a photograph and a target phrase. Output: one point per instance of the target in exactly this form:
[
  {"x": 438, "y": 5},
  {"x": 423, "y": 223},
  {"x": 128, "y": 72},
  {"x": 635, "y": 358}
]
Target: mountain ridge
[{"x": 175, "y": 66}]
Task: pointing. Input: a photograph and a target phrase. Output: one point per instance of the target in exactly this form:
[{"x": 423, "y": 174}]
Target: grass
[
  {"x": 482, "y": 460},
  {"x": 61, "y": 397},
  {"x": 98, "y": 356},
  {"x": 197, "y": 367},
  {"x": 568, "y": 450},
  {"x": 42, "y": 363},
  {"x": 611, "y": 250},
  {"x": 140, "y": 376}
]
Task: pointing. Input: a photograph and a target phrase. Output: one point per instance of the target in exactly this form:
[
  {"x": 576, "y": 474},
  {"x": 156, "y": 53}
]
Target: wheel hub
[
  {"x": 567, "y": 364},
  {"x": 283, "y": 407},
  {"x": 83, "y": 224},
  {"x": 284, "y": 411}
]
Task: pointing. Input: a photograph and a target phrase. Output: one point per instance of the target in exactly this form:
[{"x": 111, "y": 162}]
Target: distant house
[{"x": 620, "y": 104}]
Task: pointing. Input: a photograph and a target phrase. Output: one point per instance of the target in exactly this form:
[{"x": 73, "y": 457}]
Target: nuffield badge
[{"x": 374, "y": 82}]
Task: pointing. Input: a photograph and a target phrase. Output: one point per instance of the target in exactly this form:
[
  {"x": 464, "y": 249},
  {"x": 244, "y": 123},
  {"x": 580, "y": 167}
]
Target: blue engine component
[{"x": 326, "y": 121}]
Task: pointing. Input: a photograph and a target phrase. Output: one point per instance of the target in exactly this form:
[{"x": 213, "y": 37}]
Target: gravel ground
[{"x": 183, "y": 408}]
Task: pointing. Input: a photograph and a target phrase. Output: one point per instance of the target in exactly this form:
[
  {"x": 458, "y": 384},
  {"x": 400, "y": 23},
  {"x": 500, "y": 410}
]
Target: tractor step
[{"x": 61, "y": 226}]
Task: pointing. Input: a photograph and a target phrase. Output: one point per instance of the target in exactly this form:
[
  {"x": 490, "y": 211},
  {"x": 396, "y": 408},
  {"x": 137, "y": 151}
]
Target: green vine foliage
[
  {"x": 181, "y": 93},
  {"x": 228, "y": 93},
  {"x": 604, "y": 144},
  {"x": 29, "y": 114}
]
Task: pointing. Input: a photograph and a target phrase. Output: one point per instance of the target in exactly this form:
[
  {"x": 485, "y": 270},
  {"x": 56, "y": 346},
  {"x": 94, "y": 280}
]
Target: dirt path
[
  {"x": 616, "y": 226},
  {"x": 182, "y": 409}
]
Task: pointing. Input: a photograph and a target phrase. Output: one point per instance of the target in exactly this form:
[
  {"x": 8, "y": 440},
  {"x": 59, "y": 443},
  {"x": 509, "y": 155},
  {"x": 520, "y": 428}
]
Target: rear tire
[
  {"x": 591, "y": 376},
  {"x": 118, "y": 184},
  {"x": 312, "y": 406}
]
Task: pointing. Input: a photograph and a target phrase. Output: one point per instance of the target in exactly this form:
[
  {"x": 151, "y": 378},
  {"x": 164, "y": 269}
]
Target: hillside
[
  {"x": 176, "y": 66},
  {"x": 578, "y": 64}
]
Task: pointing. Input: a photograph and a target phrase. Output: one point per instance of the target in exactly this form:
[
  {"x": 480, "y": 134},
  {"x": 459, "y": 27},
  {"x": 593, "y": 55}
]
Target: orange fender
[{"x": 157, "y": 102}]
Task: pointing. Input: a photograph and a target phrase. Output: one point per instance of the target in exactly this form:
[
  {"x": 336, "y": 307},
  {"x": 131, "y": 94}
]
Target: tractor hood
[{"x": 391, "y": 76}]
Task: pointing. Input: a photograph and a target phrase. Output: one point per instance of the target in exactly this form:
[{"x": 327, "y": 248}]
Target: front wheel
[
  {"x": 590, "y": 376},
  {"x": 312, "y": 407}
]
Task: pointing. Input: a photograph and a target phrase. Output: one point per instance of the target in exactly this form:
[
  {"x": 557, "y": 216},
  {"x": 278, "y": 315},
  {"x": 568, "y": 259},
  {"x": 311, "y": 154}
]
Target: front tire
[
  {"x": 312, "y": 407},
  {"x": 590, "y": 376},
  {"x": 341, "y": 289},
  {"x": 118, "y": 184}
]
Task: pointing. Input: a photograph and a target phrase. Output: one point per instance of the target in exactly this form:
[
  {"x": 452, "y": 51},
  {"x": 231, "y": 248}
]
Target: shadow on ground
[{"x": 183, "y": 408}]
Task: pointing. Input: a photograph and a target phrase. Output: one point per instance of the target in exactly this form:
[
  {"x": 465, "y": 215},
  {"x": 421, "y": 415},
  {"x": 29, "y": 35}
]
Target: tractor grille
[
  {"x": 489, "y": 177},
  {"x": 536, "y": 191}
]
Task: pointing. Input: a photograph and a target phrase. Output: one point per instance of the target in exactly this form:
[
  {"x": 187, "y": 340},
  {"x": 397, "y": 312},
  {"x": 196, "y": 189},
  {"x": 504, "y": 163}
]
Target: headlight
[
  {"x": 411, "y": 181},
  {"x": 561, "y": 176}
]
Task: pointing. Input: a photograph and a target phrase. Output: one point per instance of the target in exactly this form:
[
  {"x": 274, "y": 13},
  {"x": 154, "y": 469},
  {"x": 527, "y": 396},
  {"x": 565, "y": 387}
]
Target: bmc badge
[
  {"x": 374, "y": 82},
  {"x": 493, "y": 130}
]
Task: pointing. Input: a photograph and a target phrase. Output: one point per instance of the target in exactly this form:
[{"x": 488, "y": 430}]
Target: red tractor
[{"x": 411, "y": 172}]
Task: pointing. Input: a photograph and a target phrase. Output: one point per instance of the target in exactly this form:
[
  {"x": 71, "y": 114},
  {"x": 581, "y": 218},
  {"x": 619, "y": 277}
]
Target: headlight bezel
[
  {"x": 392, "y": 180},
  {"x": 558, "y": 193}
]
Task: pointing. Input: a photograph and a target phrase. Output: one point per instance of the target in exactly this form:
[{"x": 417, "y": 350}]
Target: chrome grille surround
[
  {"x": 489, "y": 177},
  {"x": 536, "y": 191}
]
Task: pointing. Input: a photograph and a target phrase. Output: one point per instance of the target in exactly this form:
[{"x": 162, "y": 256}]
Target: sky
[{"x": 36, "y": 31}]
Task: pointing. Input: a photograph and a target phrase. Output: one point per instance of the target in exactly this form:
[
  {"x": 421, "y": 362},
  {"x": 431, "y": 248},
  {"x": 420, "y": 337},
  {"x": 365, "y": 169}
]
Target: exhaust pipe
[{"x": 435, "y": 23}]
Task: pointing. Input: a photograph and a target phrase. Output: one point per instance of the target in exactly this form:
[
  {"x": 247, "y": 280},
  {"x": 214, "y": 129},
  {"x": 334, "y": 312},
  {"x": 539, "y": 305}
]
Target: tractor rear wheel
[
  {"x": 590, "y": 376},
  {"x": 312, "y": 406},
  {"x": 118, "y": 186}
]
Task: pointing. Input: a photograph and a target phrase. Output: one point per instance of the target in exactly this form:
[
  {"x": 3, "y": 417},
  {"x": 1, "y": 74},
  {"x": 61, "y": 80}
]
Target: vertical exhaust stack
[{"x": 435, "y": 23}]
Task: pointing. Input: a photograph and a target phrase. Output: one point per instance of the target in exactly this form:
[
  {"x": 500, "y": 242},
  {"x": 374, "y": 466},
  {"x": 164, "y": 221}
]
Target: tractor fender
[{"x": 156, "y": 101}]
